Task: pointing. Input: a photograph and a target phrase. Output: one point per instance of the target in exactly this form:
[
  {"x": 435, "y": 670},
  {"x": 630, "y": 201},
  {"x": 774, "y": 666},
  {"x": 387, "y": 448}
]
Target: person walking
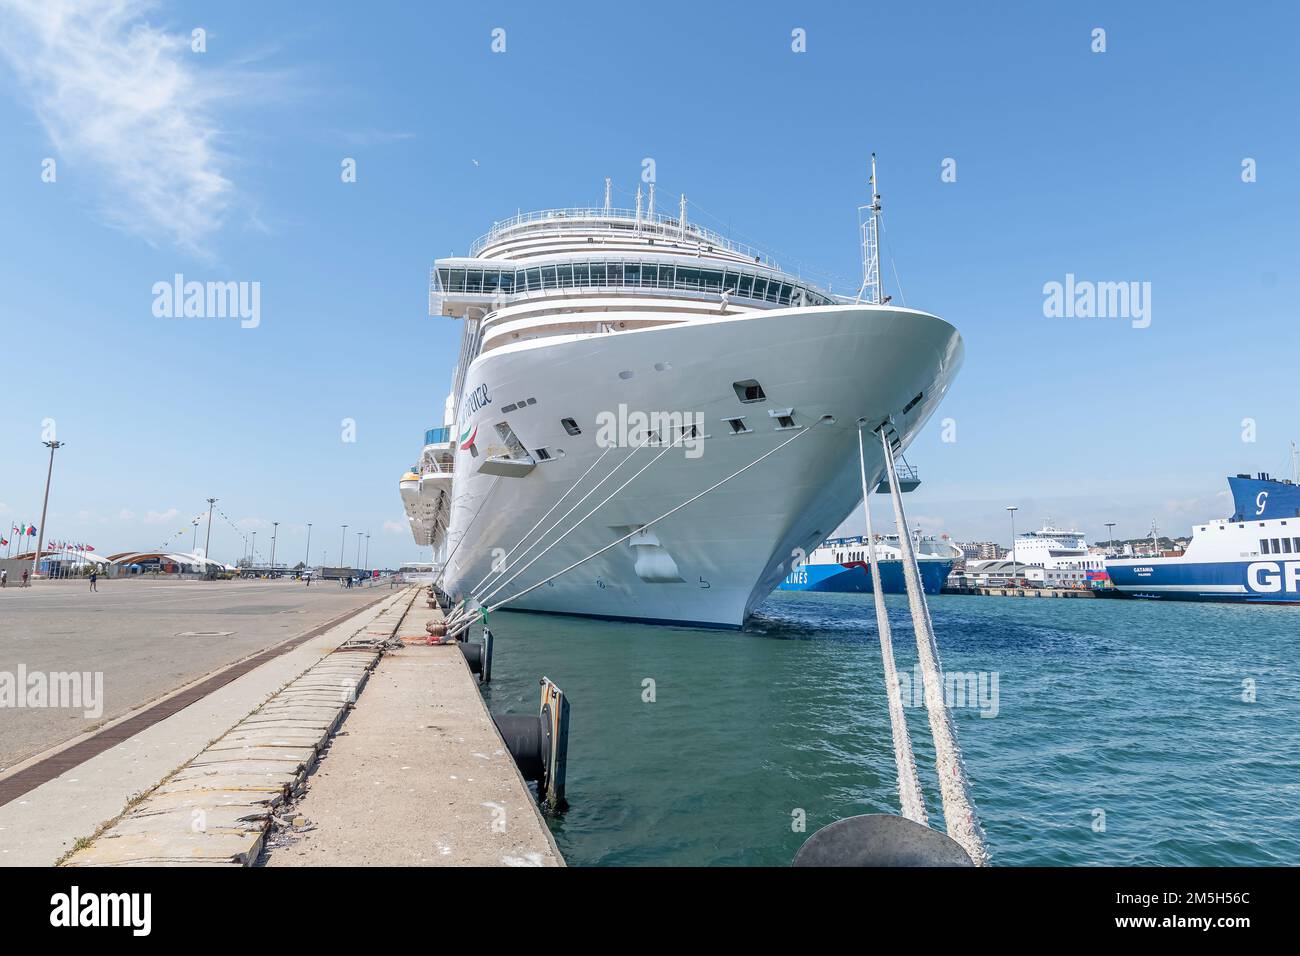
[
  {"x": 4, "y": 577},
  {"x": 94, "y": 576},
  {"x": 25, "y": 573}
]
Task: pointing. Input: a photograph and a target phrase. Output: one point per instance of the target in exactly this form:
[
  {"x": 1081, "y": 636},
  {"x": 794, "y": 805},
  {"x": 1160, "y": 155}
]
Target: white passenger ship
[{"x": 579, "y": 327}]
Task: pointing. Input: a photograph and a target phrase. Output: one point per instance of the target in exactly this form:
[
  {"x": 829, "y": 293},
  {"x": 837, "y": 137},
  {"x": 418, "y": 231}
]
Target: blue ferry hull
[
  {"x": 1247, "y": 582},
  {"x": 855, "y": 577}
]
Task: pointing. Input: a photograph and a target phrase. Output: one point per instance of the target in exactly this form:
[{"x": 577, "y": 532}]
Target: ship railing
[{"x": 582, "y": 218}]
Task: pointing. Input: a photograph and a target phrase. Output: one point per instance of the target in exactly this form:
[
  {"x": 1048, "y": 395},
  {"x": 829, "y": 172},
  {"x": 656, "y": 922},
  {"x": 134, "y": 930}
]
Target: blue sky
[{"x": 225, "y": 165}]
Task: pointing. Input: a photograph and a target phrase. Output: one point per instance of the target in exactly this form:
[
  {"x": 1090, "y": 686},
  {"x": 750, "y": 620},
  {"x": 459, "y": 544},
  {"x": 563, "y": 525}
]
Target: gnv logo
[
  {"x": 1261, "y": 500},
  {"x": 1266, "y": 577}
]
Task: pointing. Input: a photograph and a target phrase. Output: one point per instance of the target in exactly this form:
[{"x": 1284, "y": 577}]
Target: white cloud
[
  {"x": 397, "y": 527},
  {"x": 126, "y": 515},
  {"x": 120, "y": 95},
  {"x": 154, "y": 517}
]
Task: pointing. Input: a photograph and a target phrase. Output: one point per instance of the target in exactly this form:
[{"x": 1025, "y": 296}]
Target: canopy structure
[
  {"x": 181, "y": 561},
  {"x": 69, "y": 555}
]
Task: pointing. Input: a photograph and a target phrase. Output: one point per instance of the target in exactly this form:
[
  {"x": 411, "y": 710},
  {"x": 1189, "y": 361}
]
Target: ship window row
[
  {"x": 1279, "y": 545},
  {"x": 645, "y": 275}
]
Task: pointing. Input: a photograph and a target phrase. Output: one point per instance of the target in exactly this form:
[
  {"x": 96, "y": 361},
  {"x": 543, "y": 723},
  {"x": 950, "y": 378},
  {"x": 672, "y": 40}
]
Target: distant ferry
[
  {"x": 1252, "y": 557},
  {"x": 840, "y": 564}
]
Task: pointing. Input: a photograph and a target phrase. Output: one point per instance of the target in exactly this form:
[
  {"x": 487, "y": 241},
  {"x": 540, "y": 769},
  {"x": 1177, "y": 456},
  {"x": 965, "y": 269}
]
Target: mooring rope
[
  {"x": 477, "y": 589},
  {"x": 909, "y": 787},
  {"x": 667, "y": 514},
  {"x": 958, "y": 807},
  {"x": 486, "y": 496},
  {"x": 574, "y": 527},
  {"x": 566, "y": 494}
]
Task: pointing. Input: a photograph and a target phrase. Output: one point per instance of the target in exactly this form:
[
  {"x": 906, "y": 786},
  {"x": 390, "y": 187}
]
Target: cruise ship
[
  {"x": 1251, "y": 557},
  {"x": 648, "y": 420}
]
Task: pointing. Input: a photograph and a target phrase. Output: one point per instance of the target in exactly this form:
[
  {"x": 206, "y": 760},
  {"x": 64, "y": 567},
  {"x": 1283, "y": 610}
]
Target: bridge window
[
  {"x": 1263, "y": 545},
  {"x": 1276, "y": 549},
  {"x": 1286, "y": 545}
]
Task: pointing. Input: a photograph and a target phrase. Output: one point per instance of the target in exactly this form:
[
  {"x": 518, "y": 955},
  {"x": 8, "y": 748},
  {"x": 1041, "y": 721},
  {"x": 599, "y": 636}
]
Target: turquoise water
[{"x": 1129, "y": 709}]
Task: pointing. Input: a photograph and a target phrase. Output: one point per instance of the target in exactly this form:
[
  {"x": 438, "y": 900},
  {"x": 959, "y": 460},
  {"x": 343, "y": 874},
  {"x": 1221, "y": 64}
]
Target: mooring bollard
[
  {"x": 540, "y": 744},
  {"x": 880, "y": 839}
]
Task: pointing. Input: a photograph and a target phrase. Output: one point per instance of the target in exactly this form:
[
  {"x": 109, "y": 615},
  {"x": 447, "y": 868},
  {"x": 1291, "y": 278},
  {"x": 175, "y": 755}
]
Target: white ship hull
[{"x": 732, "y": 547}]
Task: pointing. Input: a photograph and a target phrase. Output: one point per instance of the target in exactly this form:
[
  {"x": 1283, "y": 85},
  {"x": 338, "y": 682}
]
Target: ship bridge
[{"x": 464, "y": 285}]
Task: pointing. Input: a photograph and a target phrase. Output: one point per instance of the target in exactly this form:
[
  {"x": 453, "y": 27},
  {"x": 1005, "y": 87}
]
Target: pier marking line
[{"x": 42, "y": 769}]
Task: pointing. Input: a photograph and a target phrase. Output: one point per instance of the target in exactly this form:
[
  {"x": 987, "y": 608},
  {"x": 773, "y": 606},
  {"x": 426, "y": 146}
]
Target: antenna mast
[
  {"x": 869, "y": 223},
  {"x": 607, "y": 185}
]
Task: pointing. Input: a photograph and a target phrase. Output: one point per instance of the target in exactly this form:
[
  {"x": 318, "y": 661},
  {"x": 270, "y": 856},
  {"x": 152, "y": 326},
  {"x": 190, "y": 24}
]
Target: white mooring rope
[
  {"x": 718, "y": 484},
  {"x": 958, "y": 807},
  {"x": 909, "y": 787}
]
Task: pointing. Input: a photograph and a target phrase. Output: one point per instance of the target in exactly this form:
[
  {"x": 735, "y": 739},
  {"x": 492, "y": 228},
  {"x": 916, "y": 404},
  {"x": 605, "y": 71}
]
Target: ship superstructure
[{"x": 601, "y": 345}]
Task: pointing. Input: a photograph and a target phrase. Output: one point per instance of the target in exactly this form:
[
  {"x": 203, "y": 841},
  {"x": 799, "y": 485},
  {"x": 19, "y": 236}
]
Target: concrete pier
[
  {"x": 418, "y": 776},
  {"x": 356, "y": 743}
]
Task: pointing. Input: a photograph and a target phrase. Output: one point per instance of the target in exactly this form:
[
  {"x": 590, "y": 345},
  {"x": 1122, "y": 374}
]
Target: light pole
[
  {"x": 343, "y": 546},
  {"x": 1110, "y": 532},
  {"x": 207, "y": 541},
  {"x": 252, "y": 551},
  {"x": 367, "y": 549},
  {"x": 1013, "y": 509},
  {"x": 275, "y": 529},
  {"x": 306, "y": 562},
  {"x": 195, "y": 542},
  {"x": 359, "y": 534},
  {"x": 53, "y": 446}
]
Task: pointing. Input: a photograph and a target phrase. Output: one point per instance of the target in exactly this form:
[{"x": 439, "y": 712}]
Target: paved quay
[
  {"x": 417, "y": 776},
  {"x": 41, "y": 825},
  {"x": 217, "y": 809},
  {"x": 146, "y": 637}
]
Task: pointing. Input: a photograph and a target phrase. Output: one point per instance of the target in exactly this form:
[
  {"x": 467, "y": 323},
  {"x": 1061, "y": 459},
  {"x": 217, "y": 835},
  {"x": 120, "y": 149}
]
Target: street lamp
[
  {"x": 53, "y": 446},
  {"x": 306, "y": 563},
  {"x": 252, "y": 551},
  {"x": 275, "y": 529},
  {"x": 343, "y": 546},
  {"x": 367, "y": 549},
  {"x": 1110, "y": 533},
  {"x": 1013, "y": 509},
  {"x": 207, "y": 541},
  {"x": 194, "y": 542},
  {"x": 359, "y": 535}
]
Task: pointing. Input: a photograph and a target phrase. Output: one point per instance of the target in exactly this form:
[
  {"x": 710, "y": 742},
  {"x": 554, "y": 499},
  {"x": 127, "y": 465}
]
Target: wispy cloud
[
  {"x": 154, "y": 517},
  {"x": 118, "y": 94}
]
